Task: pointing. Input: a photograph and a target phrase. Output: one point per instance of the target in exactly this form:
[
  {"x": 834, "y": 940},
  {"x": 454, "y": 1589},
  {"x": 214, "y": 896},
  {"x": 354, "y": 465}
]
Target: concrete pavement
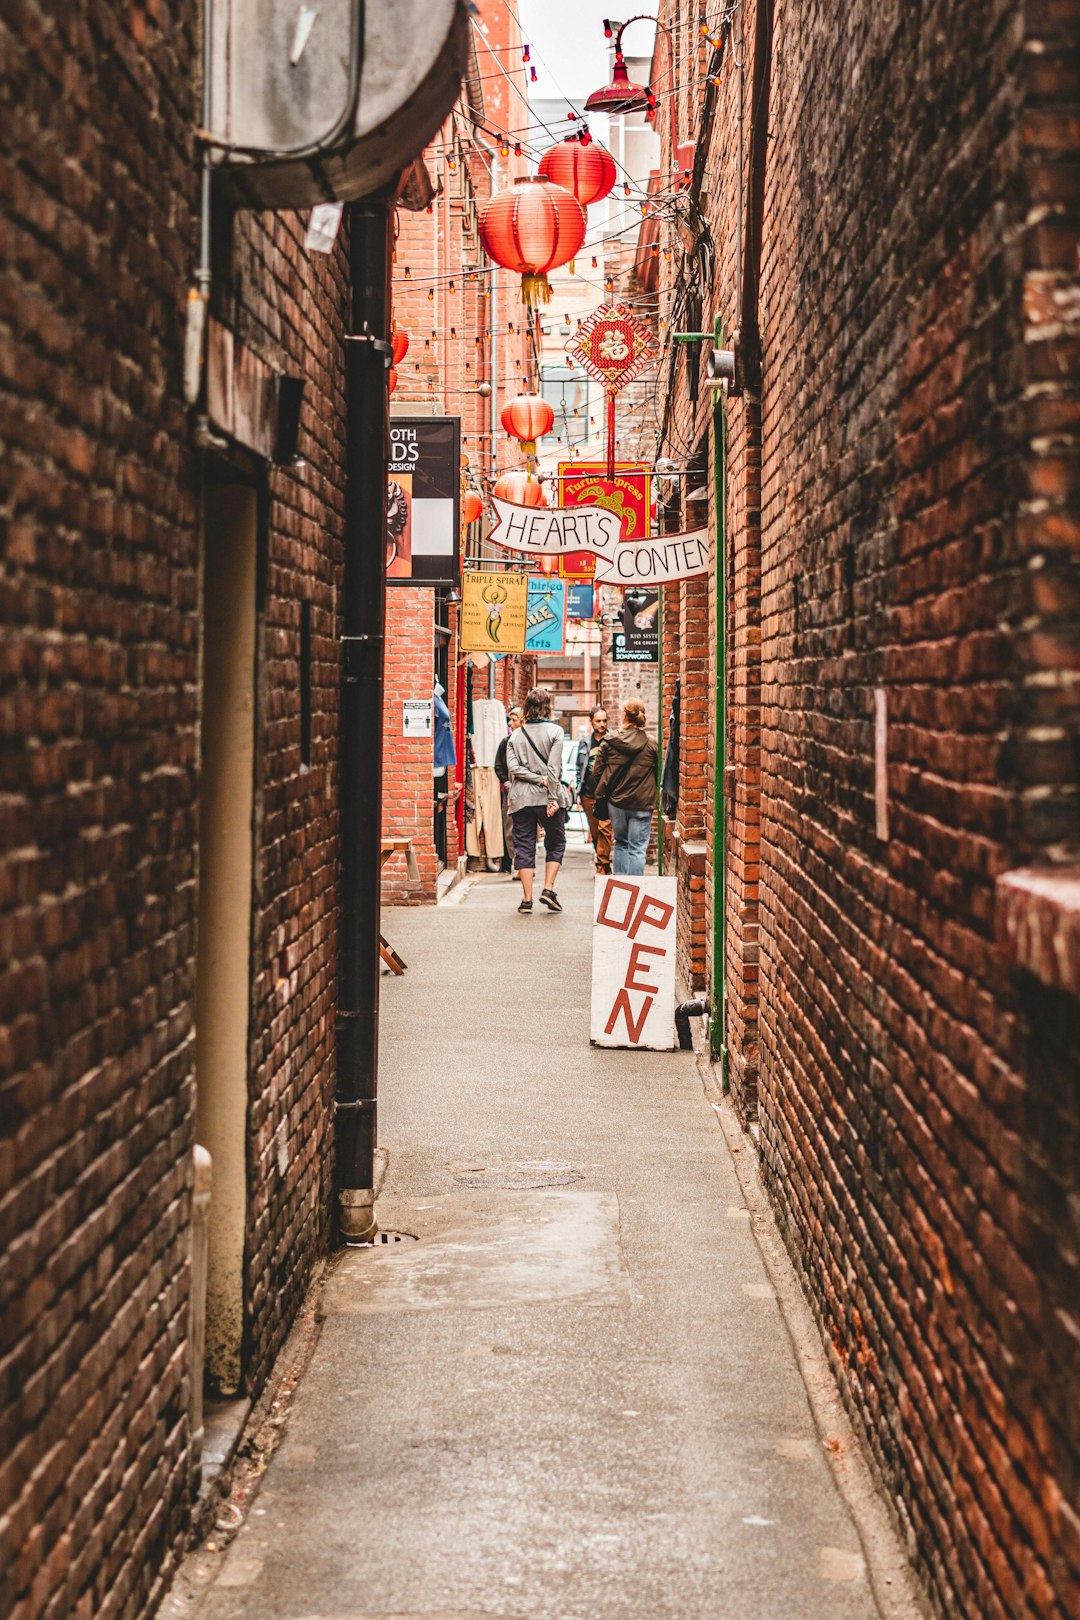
[{"x": 574, "y": 1396}]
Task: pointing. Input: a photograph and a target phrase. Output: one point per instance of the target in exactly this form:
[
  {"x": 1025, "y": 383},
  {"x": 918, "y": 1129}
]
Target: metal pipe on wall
[
  {"x": 718, "y": 973},
  {"x": 367, "y": 351}
]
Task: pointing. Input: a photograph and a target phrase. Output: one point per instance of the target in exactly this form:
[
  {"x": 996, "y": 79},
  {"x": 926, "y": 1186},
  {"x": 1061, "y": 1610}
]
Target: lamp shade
[
  {"x": 622, "y": 95},
  {"x": 399, "y": 343},
  {"x": 587, "y": 172},
  {"x": 471, "y": 506},
  {"x": 532, "y": 228},
  {"x": 528, "y": 417},
  {"x": 520, "y": 488}
]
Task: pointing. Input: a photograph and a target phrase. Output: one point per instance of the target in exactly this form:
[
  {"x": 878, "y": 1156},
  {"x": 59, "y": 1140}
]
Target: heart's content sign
[
  {"x": 633, "y": 964},
  {"x": 553, "y": 531}
]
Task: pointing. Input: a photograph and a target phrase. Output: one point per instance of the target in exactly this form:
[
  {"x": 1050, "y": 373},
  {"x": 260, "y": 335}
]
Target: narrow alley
[{"x": 575, "y": 1393}]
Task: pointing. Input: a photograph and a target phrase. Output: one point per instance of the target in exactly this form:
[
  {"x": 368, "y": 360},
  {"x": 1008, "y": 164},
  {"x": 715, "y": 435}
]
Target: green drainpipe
[{"x": 718, "y": 979}]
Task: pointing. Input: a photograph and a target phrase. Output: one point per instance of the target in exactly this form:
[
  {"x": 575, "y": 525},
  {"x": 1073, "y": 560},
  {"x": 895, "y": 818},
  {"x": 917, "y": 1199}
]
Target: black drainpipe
[{"x": 367, "y": 352}]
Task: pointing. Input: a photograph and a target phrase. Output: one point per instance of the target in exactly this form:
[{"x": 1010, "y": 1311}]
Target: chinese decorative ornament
[
  {"x": 521, "y": 488},
  {"x": 391, "y": 379},
  {"x": 399, "y": 343},
  {"x": 471, "y": 506},
  {"x": 528, "y": 417},
  {"x": 531, "y": 229},
  {"x": 586, "y": 171}
]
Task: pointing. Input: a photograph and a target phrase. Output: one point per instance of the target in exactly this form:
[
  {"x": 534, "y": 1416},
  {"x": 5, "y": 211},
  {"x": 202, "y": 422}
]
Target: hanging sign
[
  {"x": 545, "y": 616},
  {"x": 613, "y": 346},
  {"x": 493, "y": 611},
  {"x": 580, "y": 600},
  {"x": 554, "y": 531},
  {"x": 586, "y": 483},
  {"x": 656, "y": 562},
  {"x": 635, "y": 646},
  {"x": 423, "y": 528},
  {"x": 633, "y": 962}
]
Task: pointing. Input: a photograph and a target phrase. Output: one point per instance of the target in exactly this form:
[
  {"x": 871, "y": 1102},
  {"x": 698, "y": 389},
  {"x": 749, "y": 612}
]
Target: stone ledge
[{"x": 1038, "y": 923}]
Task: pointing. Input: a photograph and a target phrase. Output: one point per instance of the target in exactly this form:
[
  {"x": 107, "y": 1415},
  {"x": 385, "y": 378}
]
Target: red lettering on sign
[
  {"x": 653, "y": 914},
  {"x": 629, "y": 889},
  {"x": 636, "y": 966},
  {"x": 622, "y": 1004}
]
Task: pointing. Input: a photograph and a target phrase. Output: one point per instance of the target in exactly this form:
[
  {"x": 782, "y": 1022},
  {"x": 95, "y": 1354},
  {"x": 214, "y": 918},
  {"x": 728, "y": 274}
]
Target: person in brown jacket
[{"x": 626, "y": 782}]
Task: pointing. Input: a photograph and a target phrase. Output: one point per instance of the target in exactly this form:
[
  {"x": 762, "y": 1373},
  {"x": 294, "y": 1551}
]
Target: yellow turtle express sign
[{"x": 493, "y": 610}]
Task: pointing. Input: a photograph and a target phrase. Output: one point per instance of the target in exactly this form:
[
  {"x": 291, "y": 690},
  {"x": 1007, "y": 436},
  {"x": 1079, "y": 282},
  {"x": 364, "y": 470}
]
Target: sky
[{"x": 568, "y": 44}]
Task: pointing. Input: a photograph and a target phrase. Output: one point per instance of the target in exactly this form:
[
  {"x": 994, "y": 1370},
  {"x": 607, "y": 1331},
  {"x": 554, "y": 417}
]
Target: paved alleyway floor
[{"x": 574, "y": 1397}]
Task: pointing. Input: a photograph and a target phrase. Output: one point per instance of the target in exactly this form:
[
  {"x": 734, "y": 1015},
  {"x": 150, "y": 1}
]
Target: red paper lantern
[
  {"x": 587, "y": 172},
  {"x": 471, "y": 506},
  {"x": 399, "y": 343},
  {"x": 391, "y": 378},
  {"x": 520, "y": 488},
  {"x": 531, "y": 229},
  {"x": 528, "y": 417}
]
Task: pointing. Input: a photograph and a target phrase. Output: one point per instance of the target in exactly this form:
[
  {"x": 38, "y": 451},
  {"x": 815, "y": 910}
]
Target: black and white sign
[
  {"x": 416, "y": 717},
  {"x": 635, "y": 646},
  {"x": 423, "y": 510}
]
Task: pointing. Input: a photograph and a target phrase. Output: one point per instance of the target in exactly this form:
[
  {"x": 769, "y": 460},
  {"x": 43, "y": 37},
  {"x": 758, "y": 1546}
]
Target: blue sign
[
  {"x": 545, "y": 615},
  {"x": 580, "y": 602}
]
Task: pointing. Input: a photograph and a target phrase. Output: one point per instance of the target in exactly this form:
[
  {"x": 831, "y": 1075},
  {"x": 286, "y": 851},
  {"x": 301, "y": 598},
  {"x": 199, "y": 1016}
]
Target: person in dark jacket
[
  {"x": 587, "y": 758},
  {"x": 502, "y": 771},
  {"x": 626, "y": 779}
]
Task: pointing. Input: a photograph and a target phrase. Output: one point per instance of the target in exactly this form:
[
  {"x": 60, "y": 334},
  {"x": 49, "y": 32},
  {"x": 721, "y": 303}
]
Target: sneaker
[
  {"x": 526, "y": 907},
  {"x": 550, "y": 899}
]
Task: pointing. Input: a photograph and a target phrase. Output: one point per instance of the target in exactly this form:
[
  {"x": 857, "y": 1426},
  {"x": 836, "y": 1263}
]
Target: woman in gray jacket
[{"x": 537, "y": 797}]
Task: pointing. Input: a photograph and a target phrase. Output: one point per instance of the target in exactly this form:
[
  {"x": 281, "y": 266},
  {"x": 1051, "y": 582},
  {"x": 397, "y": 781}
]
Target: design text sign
[{"x": 633, "y": 965}]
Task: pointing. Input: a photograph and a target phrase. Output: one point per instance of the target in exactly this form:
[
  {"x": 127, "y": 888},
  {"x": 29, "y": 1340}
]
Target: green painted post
[{"x": 718, "y": 979}]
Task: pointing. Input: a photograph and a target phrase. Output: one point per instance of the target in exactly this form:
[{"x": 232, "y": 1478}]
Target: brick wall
[
  {"x": 101, "y": 492},
  {"x": 901, "y": 511},
  {"x": 407, "y": 761}
]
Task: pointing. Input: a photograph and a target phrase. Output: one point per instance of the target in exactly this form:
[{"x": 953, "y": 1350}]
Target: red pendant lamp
[
  {"x": 586, "y": 171},
  {"x": 471, "y": 506},
  {"x": 531, "y": 229},
  {"x": 528, "y": 417},
  {"x": 399, "y": 343},
  {"x": 520, "y": 488}
]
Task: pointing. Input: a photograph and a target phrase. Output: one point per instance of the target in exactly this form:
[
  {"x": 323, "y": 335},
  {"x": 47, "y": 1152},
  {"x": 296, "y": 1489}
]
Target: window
[{"x": 566, "y": 390}]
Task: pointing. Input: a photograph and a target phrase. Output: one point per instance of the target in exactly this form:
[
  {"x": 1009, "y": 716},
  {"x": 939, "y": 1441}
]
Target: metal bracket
[
  {"x": 361, "y": 1105},
  {"x": 384, "y": 348}
]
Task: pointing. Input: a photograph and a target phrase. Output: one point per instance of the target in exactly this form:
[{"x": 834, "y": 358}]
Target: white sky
[{"x": 568, "y": 44}]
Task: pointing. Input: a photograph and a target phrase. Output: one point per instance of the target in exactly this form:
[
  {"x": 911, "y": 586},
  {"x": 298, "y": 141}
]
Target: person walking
[
  {"x": 598, "y": 819},
  {"x": 537, "y": 797},
  {"x": 626, "y": 781},
  {"x": 502, "y": 771}
]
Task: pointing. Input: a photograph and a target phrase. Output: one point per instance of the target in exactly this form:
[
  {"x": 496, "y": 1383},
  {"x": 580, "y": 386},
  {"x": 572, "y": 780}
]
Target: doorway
[{"x": 223, "y": 956}]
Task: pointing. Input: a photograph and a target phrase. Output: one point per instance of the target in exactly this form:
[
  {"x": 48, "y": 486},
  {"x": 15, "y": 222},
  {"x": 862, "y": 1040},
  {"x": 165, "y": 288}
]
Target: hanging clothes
[
  {"x": 669, "y": 777},
  {"x": 487, "y": 818},
  {"x": 445, "y": 752},
  {"x": 488, "y": 729}
]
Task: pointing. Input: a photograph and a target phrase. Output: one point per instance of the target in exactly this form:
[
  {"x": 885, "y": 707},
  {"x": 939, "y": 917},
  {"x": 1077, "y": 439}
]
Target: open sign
[{"x": 633, "y": 968}]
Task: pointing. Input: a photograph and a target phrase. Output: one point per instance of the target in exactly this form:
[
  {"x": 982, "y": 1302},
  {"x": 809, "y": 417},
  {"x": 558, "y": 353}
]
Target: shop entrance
[{"x": 223, "y": 960}]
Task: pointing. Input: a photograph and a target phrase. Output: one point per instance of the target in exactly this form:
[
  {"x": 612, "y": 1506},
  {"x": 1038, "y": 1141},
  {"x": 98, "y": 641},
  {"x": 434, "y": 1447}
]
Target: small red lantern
[
  {"x": 399, "y": 343},
  {"x": 471, "y": 506},
  {"x": 520, "y": 488},
  {"x": 586, "y": 171},
  {"x": 391, "y": 378},
  {"x": 531, "y": 229},
  {"x": 528, "y": 417}
]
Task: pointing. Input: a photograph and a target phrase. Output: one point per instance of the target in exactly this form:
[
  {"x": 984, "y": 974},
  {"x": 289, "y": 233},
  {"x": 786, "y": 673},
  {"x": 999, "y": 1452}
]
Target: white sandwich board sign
[{"x": 633, "y": 964}]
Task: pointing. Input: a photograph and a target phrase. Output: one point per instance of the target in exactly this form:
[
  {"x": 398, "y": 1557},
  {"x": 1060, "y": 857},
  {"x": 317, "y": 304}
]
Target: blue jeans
[{"x": 631, "y": 829}]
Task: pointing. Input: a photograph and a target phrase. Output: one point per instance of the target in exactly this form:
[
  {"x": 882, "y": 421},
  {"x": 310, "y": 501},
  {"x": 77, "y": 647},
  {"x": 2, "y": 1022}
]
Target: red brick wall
[
  {"x": 101, "y": 491},
  {"x": 901, "y": 505},
  {"x": 407, "y": 761}
]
